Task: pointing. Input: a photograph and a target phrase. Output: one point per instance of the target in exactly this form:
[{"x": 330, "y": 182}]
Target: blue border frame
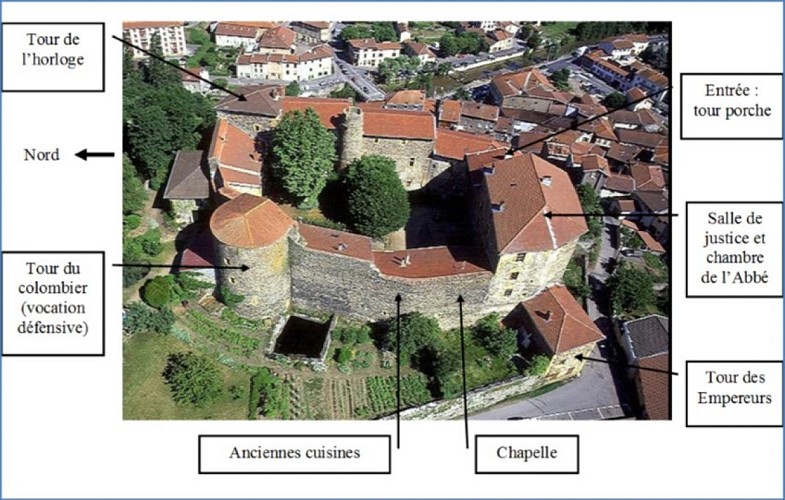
[{"x": 381, "y": 1}]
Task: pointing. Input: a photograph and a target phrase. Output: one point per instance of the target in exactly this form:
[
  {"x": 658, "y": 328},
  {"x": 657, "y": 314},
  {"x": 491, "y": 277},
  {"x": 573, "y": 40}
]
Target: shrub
[
  {"x": 157, "y": 292},
  {"x": 150, "y": 242},
  {"x": 229, "y": 298},
  {"x": 140, "y": 318},
  {"x": 194, "y": 380},
  {"x": 538, "y": 366},
  {"x": 268, "y": 393},
  {"x": 489, "y": 333}
]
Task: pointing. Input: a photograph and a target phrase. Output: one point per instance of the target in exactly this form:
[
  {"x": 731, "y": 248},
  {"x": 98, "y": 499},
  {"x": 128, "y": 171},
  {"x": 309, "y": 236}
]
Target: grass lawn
[
  {"x": 147, "y": 397},
  {"x": 558, "y": 30}
]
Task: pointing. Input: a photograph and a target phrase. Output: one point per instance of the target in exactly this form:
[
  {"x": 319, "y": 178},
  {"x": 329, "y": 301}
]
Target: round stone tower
[
  {"x": 253, "y": 231},
  {"x": 352, "y": 137}
]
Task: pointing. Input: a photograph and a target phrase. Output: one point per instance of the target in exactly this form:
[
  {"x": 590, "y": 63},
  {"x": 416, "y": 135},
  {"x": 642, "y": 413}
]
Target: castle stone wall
[
  {"x": 250, "y": 124},
  {"x": 412, "y": 158},
  {"x": 536, "y": 271},
  {"x": 356, "y": 289},
  {"x": 266, "y": 285}
]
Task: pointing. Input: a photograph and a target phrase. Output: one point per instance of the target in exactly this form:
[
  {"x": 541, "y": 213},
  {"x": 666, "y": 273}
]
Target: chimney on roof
[
  {"x": 546, "y": 180},
  {"x": 276, "y": 93},
  {"x": 498, "y": 207},
  {"x": 342, "y": 247},
  {"x": 408, "y": 259},
  {"x": 488, "y": 169},
  {"x": 548, "y": 315}
]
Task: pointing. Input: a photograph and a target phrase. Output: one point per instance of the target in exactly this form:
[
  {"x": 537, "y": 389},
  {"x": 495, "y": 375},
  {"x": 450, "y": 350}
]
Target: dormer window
[{"x": 497, "y": 207}]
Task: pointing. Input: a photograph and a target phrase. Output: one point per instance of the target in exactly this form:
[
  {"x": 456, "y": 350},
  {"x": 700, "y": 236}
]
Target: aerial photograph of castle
[{"x": 313, "y": 207}]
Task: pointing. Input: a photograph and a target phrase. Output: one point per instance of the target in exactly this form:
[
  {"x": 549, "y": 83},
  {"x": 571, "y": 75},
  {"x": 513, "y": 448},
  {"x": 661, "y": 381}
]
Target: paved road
[{"x": 594, "y": 388}]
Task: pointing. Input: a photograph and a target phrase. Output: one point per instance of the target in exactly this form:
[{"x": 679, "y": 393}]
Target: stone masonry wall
[
  {"x": 477, "y": 399},
  {"x": 538, "y": 270},
  {"x": 251, "y": 124},
  {"x": 412, "y": 158},
  {"x": 355, "y": 288},
  {"x": 266, "y": 285}
]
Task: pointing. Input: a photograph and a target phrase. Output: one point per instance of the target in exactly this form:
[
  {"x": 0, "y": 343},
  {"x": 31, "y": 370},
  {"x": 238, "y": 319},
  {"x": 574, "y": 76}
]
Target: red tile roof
[
  {"x": 643, "y": 139},
  {"x": 480, "y": 111},
  {"x": 188, "y": 177},
  {"x": 450, "y": 111},
  {"x": 370, "y": 43},
  {"x": 330, "y": 111},
  {"x": 200, "y": 251},
  {"x": 337, "y": 242},
  {"x": 520, "y": 82},
  {"x": 406, "y": 98},
  {"x": 620, "y": 182},
  {"x": 431, "y": 262},
  {"x": 279, "y": 37},
  {"x": 150, "y": 24},
  {"x": 419, "y": 49},
  {"x": 232, "y": 176},
  {"x": 455, "y": 145},
  {"x": 525, "y": 188},
  {"x": 231, "y": 29},
  {"x": 647, "y": 177},
  {"x": 654, "y": 386},
  {"x": 260, "y": 100},
  {"x": 559, "y": 319},
  {"x": 595, "y": 162},
  {"x": 249, "y": 221},
  {"x": 398, "y": 124},
  {"x": 232, "y": 147}
]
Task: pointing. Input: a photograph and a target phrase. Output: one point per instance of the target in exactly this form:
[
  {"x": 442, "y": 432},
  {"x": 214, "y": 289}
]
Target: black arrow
[
  {"x": 630, "y": 214},
  {"x": 239, "y": 97},
  {"x": 463, "y": 372},
  {"x": 398, "y": 369},
  {"x": 577, "y": 124},
  {"x": 83, "y": 154},
  {"x": 581, "y": 357},
  {"x": 241, "y": 268}
]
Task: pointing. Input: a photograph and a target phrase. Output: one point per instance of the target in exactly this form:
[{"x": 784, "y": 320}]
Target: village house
[
  {"x": 369, "y": 53},
  {"x": 236, "y": 35},
  {"x": 171, "y": 34},
  {"x": 420, "y": 51},
  {"x": 311, "y": 32}
]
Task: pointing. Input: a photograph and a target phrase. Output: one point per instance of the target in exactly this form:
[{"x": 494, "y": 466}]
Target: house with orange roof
[
  {"x": 228, "y": 34},
  {"x": 296, "y": 65},
  {"x": 552, "y": 323},
  {"x": 512, "y": 90},
  {"x": 420, "y": 51},
  {"x": 527, "y": 249},
  {"x": 234, "y": 160},
  {"x": 369, "y": 53},
  {"x": 277, "y": 40}
]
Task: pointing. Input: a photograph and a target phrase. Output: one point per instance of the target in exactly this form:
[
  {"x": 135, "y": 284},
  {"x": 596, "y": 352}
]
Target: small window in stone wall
[
  {"x": 404, "y": 141},
  {"x": 232, "y": 280},
  {"x": 514, "y": 276},
  {"x": 508, "y": 292},
  {"x": 376, "y": 140},
  {"x": 520, "y": 257},
  {"x": 227, "y": 262},
  {"x": 257, "y": 127},
  {"x": 411, "y": 161}
]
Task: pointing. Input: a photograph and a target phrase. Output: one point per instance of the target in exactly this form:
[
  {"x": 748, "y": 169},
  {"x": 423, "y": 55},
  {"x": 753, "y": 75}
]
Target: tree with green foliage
[
  {"x": 614, "y": 100},
  {"x": 345, "y": 92},
  {"x": 448, "y": 45},
  {"x": 447, "y": 369},
  {"x": 657, "y": 57},
  {"x": 157, "y": 292},
  {"x": 344, "y": 355},
  {"x": 397, "y": 69},
  {"x": 356, "y": 31},
  {"x": 293, "y": 89},
  {"x": 462, "y": 94},
  {"x": 134, "y": 194},
  {"x": 538, "y": 366},
  {"x": 195, "y": 380},
  {"x": 632, "y": 291},
  {"x": 132, "y": 254},
  {"x": 561, "y": 79},
  {"x": 150, "y": 242},
  {"x": 590, "y": 204},
  {"x": 139, "y": 318},
  {"x": 384, "y": 32},
  {"x": 534, "y": 41},
  {"x": 377, "y": 202},
  {"x": 631, "y": 239},
  {"x": 574, "y": 281},
  {"x": 494, "y": 337},
  {"x": 470, "y": 42},
  {"x": 417, "y": 332},
  {"x": 160, "y": 74},
  {"x": 269, "y": 395},
  {"x": 303, "y": 153}
]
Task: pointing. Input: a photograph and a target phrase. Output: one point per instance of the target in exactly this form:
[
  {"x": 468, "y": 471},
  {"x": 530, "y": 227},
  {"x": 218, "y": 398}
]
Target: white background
[{"x": 63, "y": 433}]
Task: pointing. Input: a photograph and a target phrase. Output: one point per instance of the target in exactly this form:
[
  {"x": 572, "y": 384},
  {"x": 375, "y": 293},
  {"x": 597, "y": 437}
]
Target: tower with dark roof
[{"x": 253, "y": 231}]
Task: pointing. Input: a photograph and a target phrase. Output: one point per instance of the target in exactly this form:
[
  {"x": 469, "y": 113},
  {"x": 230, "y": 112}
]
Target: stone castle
[{"x": 520, "y": 251}]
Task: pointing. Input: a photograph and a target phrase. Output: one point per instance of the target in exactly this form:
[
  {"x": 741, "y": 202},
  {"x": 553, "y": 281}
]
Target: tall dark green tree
[
  {"x": 134, "y": 194},
  {"x": 417, "y": 333},
  {"x": 195, "y": 380},
  {"x": 632, "y": 291},
  {"x": 303, "y": 155},
  {"x": 376, "y": 200},
  {"x": 614, "y": 100},
  {"x": 494, "y": 337},
  {"x": 160, "y": 74}
]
